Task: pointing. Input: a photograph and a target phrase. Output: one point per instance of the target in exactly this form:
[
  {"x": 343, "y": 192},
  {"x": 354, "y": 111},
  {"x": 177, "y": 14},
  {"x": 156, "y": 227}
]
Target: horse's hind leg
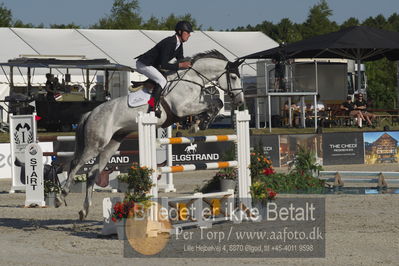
[
  {"x": 99, "y": 165},
  {"x": 75, "y": 165}
]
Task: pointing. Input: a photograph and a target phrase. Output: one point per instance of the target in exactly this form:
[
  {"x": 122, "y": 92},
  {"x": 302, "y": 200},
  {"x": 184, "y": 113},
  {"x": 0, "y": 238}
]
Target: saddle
[
  {"x": 149, "y": 84},
  {"x": 139, "y": 85}
]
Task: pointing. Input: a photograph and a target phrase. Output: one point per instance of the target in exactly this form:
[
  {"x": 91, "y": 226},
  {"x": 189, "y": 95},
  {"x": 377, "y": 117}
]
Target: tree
[
  {"x": 287, "y": 31},
  {"x": 124, "y": 15},
  {"x": 382, "y": 83},
  {"x": 393, "y": 22},
  {"x": 64, "y": 26},
  {"x": 152, "y": 24},
  {"x": 318, "y": 22},
  {"x": 381, "y": 74},
  {"x": 5, "y": 16},
  {"x": 350, "y": 22},
  {"x": 19, "y": 24},
  {"x": 377, "y": 22},
  {"x": 266, "y": 27}
]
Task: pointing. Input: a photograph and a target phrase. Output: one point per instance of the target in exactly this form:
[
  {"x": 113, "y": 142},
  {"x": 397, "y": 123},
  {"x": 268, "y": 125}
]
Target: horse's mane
[{"x": 209, "y": 54}]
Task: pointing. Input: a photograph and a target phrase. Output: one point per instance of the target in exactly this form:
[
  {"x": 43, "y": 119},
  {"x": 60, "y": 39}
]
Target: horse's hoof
[
  {"x": 158, "y": 113},
  {"x": 58, "y": 202},
  {"x": 82, "y": 215},
  {"x": 64, "y": 193},
  {"x": 203, "y": 125}
]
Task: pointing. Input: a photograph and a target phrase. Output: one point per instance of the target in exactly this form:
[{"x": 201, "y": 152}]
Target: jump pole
[{"x": 148, "y": 143}]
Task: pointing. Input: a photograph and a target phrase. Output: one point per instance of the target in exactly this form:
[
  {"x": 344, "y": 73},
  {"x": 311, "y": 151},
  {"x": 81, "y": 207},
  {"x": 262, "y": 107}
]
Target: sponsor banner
[
  {"x": 22, "y": 133},
  {"x": 203, "y": 152},
  {"x": 289, "y": 146},
  {"x": 343, "y": 148},
  {"x": 34, "y": 175},
  {"x": 381, "y": 147},
  {"x": 6, "y": 160},
  {"x": 269, "y": 144},
  {"x": 118, "y": 162}
]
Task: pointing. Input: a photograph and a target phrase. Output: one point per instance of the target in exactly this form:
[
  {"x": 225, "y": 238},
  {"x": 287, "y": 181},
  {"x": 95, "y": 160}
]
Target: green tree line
[
  {"x": 125, "y": 14},
  {"x": 382, "y": 74}
]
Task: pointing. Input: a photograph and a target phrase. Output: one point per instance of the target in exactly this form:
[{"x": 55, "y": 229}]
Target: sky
[{"x": 218, "y": 14}]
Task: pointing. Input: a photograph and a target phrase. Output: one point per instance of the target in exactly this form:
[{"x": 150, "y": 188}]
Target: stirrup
[
  {"x": 154, "y": 109},
  {"x": 158, "y": 113}
]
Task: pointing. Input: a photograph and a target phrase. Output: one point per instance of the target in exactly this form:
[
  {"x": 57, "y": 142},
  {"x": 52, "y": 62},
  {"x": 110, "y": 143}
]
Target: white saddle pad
[{"x": 138, "y": 98}]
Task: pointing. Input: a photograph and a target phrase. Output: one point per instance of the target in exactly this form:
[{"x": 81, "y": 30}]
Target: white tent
[
  {"x": 122, "y": 46},
  {"x": 118, "y": 46}
]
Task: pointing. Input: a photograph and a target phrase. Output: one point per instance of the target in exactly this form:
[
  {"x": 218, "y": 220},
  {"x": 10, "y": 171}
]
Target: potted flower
[
  {"x": 260, "y": 165},
  {"x": 79, "y": 183},
  {"x": 305, "y": 163},
  {"x": 136, "y": 201},
  {"x": 227, "y": 178},
  {"x": 261, "y": 194},
  {"x": 51, "y": 189}
]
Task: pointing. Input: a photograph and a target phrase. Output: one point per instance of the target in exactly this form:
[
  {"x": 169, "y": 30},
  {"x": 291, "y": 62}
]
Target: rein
[{"x": 227, "y": 71}]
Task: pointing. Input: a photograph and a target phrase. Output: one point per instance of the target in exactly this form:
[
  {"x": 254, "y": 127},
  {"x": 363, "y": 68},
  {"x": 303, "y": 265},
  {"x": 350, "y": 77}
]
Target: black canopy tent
[{"x": 359, "y": 43}]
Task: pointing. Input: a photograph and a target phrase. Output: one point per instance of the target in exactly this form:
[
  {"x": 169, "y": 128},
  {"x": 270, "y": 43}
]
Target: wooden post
[
  {"x": 11, "y": 79},
  {"x": 29, "y": 89},
  {"x": 338, "y": 181},
  {"x": 106, "y": 82},
  {"x": 381, "y": 181},
  {"x": 87, "y": 85}
]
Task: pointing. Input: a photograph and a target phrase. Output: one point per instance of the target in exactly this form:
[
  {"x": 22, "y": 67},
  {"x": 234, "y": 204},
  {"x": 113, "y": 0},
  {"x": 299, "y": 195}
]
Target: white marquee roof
[{"x": 122, "y": 46}]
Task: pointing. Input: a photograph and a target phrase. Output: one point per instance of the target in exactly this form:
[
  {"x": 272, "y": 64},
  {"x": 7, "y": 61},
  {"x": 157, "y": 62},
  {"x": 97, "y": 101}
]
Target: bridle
[{"x": 231, "y": 68}]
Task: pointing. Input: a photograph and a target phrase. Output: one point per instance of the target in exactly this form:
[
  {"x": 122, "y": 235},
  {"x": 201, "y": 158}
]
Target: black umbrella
[
  {"x": 357, "y": 43},
  {"x": 360, "y": 43}
]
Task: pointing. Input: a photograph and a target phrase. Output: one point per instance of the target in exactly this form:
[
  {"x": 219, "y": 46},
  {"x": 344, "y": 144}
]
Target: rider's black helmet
[{"x": 183, "y": 26}]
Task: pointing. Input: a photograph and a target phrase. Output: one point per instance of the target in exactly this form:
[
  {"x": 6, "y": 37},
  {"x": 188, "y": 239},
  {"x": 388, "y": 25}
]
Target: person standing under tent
[
  {"x": 279, "y": 75},
  {"x": 50, "y": 87},
  {"x": 151, "y": 62}
]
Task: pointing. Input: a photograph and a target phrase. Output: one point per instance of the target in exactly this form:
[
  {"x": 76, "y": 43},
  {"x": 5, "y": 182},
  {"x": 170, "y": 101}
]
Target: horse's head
[
  {"x": 214, "y": 66},
  {"x": 188, "y": 87},
  {"x": 230, "y": 82}
]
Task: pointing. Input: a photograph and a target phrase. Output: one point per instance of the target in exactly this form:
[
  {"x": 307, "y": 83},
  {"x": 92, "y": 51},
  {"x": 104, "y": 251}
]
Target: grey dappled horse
[{"x": 101, "y": 131}]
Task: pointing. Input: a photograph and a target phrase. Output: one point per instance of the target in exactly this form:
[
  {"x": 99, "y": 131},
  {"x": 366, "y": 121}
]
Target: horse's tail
[{"x": 79, "y": 138}]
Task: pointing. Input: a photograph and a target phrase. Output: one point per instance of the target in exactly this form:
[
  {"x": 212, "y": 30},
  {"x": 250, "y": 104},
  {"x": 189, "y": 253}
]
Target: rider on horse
[{"x": 158, "y": 57}]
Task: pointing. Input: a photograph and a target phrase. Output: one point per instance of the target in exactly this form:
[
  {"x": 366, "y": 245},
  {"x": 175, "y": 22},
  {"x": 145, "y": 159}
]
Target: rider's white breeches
[{"x": 151, "y": 73}]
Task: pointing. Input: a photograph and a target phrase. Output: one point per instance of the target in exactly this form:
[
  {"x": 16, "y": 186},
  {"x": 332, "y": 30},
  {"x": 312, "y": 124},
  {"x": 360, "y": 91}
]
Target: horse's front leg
[
  {"x": 76, "y": 164},
  {"x": 210, "y": 114}
]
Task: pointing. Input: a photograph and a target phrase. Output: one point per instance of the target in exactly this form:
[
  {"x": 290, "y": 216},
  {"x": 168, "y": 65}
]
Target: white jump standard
[{"x": 148, "y": 144}]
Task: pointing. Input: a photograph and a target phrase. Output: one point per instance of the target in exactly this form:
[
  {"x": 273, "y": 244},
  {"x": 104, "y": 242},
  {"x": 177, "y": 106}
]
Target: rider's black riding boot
[{"x": 156, "y": 94}]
